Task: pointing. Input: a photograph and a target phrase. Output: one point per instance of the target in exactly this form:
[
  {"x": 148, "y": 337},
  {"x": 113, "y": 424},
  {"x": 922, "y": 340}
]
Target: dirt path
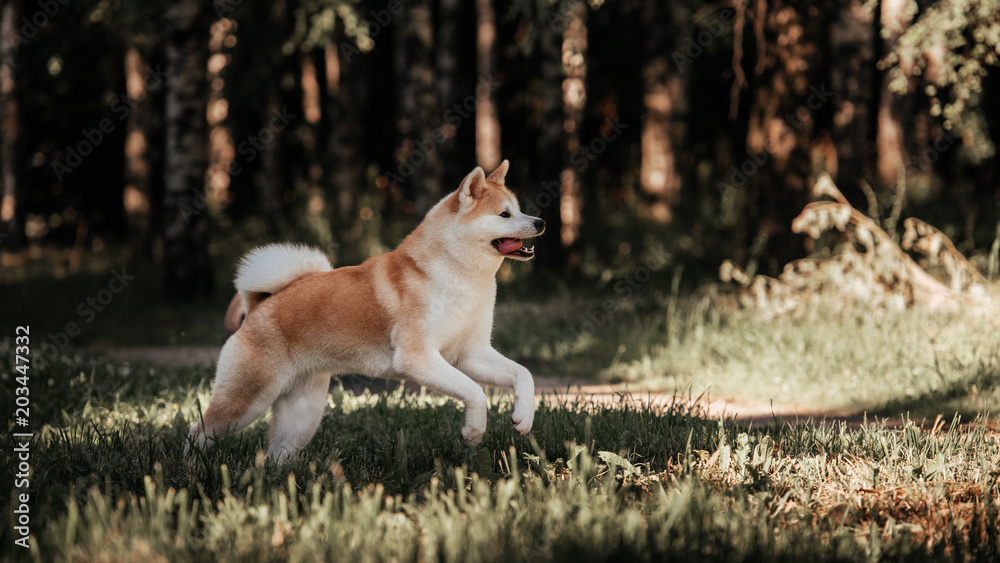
[{"x": 550, "y": 389}]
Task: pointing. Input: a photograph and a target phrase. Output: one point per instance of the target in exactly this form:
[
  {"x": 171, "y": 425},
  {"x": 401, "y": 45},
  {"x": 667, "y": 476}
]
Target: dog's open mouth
[{"x": 514, "y": 248}]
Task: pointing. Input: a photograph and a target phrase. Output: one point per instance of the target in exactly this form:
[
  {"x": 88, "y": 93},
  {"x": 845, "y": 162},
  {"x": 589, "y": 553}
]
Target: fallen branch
[{"x": 870, "y": 270}]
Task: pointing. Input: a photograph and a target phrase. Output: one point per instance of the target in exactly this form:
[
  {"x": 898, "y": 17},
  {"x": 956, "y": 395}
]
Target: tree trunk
[
  {"x": 276, "y": 190},
  {"x": 271, "y": 188},
  {"x": 316, "y": 214},
  {"x": 853, "y": 51},
  {"x": 187, "y": 269},
  {"x": 221, "y": 149},
  {"x": 487, "y": 124},
  {"x": 664, "y": 100},
  {"x": 343, "y": 84},
  {"x": 10, "y": 226},
  {"x": 574, "y": 53},
  {"x": 138, "y": 128},
  {"x": 446, "y": 55},
  {"x": 547, "y": 163},
  {"x": 790, "y": 97},
  {"x": 419, "y": 163},
  {"x": 889, "y": 138}
]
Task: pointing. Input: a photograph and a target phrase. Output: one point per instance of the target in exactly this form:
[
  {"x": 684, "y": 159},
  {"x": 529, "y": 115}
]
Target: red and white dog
[{"x": 423, "y": 312}]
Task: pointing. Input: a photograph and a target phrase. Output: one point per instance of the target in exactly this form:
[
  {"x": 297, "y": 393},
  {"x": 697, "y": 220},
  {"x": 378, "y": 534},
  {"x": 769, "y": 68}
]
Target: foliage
[
  {"x": 70, "y": 76},
  {"x": 947, "y": 50},
  {"x": 950, "y": 44}
]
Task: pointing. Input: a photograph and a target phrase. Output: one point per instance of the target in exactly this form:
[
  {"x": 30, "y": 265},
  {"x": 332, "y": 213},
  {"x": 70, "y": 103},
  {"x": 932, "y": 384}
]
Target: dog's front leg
[
  {"x": 429, "y": 368},
  {"x": 489, "y": 367}
]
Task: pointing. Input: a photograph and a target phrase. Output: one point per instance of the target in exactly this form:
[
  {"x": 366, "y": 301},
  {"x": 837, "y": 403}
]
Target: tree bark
[
  {"x": 271, "y": 188},
  {"x": 10, "y": 224},
  {"x": 345, "y": 106},
  {"x": 852, "y": 46},
  {"x": 417, "y": 155},
  {"x": 894, "y": 20},
  {"x": 316, "y": 207},
  {"x": 187, "y": 270},
  {"x": 574, "y": 58},
  {"x": 138, "y": 129},
  {"x": 221, "y": 149},
  {"x": 790, "y": 98},
  {"x": 547, "y": 163},
  {"x": 662, "y": 129},
  {"x": 275, "y": 184},
  {"x": 487, "y": 124},
  {"x": 446, "y": 56}
]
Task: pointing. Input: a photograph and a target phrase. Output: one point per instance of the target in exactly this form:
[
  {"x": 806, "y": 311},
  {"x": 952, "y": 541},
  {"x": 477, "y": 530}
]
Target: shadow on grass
[{"x": 965, "y": 395}]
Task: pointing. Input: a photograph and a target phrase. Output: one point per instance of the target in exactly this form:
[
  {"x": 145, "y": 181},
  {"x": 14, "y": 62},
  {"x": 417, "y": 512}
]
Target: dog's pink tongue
[{"x": 509, "y": 245}]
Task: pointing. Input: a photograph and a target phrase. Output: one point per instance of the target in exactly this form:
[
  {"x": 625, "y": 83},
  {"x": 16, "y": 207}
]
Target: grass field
[{"x": 387, "y": 476}]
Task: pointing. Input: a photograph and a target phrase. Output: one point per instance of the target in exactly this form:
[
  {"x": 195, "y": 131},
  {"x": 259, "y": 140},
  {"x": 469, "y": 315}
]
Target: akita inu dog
[{"x": 423, "y": 312}]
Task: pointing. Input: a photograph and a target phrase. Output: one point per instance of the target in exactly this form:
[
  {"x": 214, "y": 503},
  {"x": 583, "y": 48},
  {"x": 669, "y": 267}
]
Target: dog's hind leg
[
  {"x": 247, "y": 382},
  {"x": 296, "y": 415}
]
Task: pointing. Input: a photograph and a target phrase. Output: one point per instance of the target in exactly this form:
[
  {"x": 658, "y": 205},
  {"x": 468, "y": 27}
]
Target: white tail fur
[{"x": 268, "y": 269}]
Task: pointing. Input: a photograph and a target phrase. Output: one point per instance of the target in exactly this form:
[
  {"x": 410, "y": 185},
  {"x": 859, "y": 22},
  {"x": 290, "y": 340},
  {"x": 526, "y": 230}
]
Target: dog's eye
[{"x": 505, "y": 215}]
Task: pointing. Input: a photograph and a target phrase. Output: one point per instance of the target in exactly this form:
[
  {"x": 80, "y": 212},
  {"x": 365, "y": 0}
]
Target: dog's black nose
[{"x": 539, "y": 225}]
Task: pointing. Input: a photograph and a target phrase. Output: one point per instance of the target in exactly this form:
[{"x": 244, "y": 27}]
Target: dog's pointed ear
[
  {"x": 498, "y": 175},
  {"x": 472, "y": 186}
]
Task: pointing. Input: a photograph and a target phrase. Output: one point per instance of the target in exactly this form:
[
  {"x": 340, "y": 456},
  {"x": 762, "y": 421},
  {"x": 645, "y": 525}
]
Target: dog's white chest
[{"x": 456, "y": 315}]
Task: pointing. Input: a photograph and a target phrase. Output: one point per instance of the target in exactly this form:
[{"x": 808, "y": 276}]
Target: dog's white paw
[
  {"x": 198, "y": 436},
  {"x": 473, "y": 434},
  {"x": 523, "y": 416}
]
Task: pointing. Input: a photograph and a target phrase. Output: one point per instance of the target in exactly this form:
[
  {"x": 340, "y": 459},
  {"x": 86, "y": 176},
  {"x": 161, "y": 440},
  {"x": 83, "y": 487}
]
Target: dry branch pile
[{"x": 869, "y": 270}]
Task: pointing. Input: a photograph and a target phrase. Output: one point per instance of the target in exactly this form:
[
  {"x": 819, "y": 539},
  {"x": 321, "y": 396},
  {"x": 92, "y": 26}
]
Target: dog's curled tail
[{"x": 268, "y": 269}]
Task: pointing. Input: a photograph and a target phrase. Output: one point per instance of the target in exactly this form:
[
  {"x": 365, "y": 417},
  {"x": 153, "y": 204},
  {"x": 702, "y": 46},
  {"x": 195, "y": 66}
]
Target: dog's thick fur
[{"x": 423, "y": 312}]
